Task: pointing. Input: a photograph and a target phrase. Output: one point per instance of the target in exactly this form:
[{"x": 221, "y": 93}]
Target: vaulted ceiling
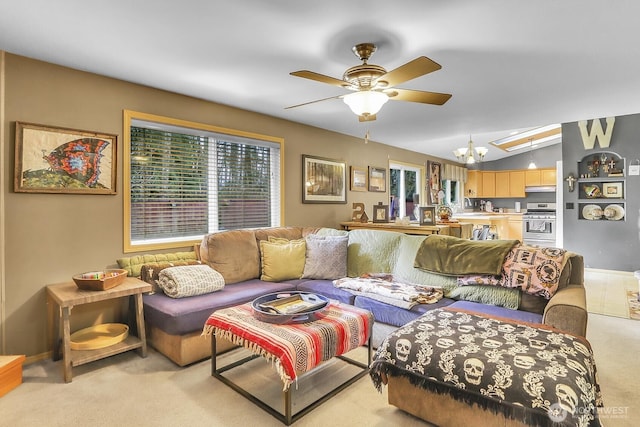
[{"x": 510, "y": 65}]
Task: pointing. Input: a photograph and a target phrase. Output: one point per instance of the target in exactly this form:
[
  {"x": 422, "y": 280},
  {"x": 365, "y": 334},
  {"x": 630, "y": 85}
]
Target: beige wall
[{"x": 50, "y": 237}]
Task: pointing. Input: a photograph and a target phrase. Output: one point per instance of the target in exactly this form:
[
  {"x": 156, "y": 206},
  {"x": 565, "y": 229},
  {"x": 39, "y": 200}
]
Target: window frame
[{"x": 130, "y": 116}]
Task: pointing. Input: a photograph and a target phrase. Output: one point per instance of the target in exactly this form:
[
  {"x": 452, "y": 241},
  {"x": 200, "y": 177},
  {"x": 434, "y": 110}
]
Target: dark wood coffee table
[{"x": 294, "y": 348}]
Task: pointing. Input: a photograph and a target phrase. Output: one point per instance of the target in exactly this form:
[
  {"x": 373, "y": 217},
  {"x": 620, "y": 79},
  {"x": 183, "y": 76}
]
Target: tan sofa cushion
[{"x": 234, "y": 254}]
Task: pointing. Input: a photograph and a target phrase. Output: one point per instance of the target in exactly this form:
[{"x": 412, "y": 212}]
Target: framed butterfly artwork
[{"x": 57, "y": 160}]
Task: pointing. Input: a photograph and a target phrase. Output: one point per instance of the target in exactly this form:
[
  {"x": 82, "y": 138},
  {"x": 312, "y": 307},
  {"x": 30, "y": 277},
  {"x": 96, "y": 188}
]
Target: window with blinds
[{"x": 185, "y": 182}]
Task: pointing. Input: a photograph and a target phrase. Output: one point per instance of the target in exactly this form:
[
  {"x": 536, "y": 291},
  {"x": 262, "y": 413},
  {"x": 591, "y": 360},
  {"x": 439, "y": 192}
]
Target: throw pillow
[
  {"x": 282, "y": 259},
  {"x": 534, "y": 270},
  {"x": 326, "y": 257},
  {"x": 189, "y": 280}
]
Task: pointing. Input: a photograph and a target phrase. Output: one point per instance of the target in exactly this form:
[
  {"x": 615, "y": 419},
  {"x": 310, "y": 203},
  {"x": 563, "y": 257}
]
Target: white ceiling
[{"x": 510, "y": 65}]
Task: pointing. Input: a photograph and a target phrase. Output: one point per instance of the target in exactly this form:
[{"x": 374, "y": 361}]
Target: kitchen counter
[{"x": 497, "y": 221}]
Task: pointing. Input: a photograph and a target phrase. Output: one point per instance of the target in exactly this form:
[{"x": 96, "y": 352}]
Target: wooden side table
[{"x": 67, "y": 295}]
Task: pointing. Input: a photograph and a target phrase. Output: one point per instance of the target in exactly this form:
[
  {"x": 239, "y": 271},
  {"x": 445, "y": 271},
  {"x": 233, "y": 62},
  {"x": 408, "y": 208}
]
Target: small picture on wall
[
  {"x": 377, "y": 179},
  {"x": 358, "y": 178}
]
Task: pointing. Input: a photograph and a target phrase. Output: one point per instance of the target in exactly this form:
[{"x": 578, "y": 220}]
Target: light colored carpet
[{"x": 607, "y": 292}]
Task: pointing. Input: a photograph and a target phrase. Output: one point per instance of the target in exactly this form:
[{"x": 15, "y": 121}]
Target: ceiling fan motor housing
[{"x": 364, "y": 76}]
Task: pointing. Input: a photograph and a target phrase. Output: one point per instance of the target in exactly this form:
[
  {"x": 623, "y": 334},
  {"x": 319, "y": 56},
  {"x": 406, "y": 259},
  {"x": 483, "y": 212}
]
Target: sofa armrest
[{"x": 567, "y": 310}]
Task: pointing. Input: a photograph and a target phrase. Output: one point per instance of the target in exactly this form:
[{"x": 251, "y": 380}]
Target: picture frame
[
  {"x": 51, "y": 159},
  {"x": 612, "y": 190},
  {"x": 359, "y": 181},
  {"x": 324, "y": 180},
  {"x": 380, "y": 213},
  {"x": 434, "y": 180},
  {"x": 427, "y": 215},
  {"x": 377, "y": 179}
]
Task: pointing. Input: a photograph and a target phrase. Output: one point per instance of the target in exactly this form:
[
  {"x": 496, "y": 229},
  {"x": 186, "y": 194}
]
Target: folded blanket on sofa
[
  {"x": 190, "y": 280},
  {"x": 383, "y": 287},
  {"x": 454, "y": 256}
]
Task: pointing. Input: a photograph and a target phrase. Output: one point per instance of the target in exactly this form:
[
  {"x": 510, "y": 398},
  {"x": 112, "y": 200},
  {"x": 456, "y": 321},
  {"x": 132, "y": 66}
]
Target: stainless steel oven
[{"x": 539, "y": 224}]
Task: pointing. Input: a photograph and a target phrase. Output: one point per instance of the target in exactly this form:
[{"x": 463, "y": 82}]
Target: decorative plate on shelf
[
  {"x": 592, "y": 191},
  {"x": 614, "y": 212},
  {"x": 592, "y": 212}
]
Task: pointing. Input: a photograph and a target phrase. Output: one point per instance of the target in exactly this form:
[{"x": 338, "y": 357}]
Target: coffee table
[{"x": 294, "y": 349}]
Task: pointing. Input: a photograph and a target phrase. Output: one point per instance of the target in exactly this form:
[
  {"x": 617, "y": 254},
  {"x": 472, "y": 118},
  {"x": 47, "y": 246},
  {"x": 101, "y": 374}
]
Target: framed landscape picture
[
  {"x": 57, "y": 160},
  {"x": 324, "y": 180},
  {"x": 377, "y": 179}
]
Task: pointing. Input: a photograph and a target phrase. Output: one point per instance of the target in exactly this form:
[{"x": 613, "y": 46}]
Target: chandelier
[{"x": 470, "y": 155}]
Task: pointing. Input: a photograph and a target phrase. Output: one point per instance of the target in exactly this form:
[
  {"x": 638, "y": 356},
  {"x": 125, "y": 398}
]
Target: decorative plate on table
[
  {"x": 592, "y": 212},
  {"x": 614, "y": 212}
]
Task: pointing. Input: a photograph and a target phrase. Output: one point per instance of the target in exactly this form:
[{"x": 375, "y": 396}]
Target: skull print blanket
[{"x": 536, "y": 374}]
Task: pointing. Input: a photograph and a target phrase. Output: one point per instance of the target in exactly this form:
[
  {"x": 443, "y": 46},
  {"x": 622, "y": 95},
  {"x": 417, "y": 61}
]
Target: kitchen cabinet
[
  {"x": 473, "y": 186},
  {"x": 488, "y": 184},
  {"x": 514, "y": 227},
  {"x": 509, "y": 183},
  {"x": 537, "y": 177},
  {"x": 547, "y": 177},
  {"x": 516, "y": 183},
  {"x": 502, "y": 184}
]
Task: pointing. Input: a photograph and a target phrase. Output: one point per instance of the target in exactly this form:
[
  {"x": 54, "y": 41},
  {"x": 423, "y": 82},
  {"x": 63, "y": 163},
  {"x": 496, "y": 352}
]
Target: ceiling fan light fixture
[{"x": 366, "y": 102}]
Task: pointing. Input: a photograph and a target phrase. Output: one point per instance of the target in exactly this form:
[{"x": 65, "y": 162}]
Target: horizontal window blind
[
  {"x": 185, "y": 183},
  {"x": 169, "y": 184}
]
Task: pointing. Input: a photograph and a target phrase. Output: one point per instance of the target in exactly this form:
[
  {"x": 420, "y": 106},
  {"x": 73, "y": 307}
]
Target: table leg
[
  {"x": 214, "y": 354},
  {"x": 287, "y": 407},
  {"x": 140, "y": 324},
  {"x": 54, "y": 314},
  {"x": 66, "y": 344}
]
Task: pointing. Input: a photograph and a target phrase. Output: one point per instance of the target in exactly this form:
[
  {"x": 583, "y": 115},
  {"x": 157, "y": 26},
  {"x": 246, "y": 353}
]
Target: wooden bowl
[
  {"x": 106, "y": 279},
  {"x": 99, "y": 336}
]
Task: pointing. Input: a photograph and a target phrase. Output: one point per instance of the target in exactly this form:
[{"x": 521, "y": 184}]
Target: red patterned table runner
[{"x": 295, "y": 348}]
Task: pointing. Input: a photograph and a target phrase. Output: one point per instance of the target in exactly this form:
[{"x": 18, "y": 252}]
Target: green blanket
[{"x": 460, "y": 257}]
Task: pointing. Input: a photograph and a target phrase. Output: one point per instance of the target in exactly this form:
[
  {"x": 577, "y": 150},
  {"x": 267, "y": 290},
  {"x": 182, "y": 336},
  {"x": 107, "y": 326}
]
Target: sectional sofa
[
  {"x": 174, "y": 325},
  {"x": 251, "y": 263}
]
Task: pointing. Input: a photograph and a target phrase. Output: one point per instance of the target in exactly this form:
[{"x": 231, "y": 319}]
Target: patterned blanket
[
  {"x": 385, "y": 288},
  {"x": 294, "y": 348},
  {"x": 536, "y": 374}
]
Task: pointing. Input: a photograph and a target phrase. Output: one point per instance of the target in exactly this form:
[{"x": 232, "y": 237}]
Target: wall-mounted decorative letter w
[{"x": 603, "y": 137}]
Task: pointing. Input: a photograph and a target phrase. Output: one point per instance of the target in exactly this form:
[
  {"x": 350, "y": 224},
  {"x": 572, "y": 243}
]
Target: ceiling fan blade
[
  {"x": 409, "y": 95},
  {"x": 313, "y": 102},
  {"x": 305, "y": 74},
  {"x": 368, "y": 118},
  {"x": 412, "y": 69}
]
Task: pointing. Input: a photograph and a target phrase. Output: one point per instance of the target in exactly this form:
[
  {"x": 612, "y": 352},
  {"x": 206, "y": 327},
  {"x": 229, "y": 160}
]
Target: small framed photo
[
  {"x": 428, "y": 215},
  {"x": 359, "y": 180},
  {"x": 612, "y": 190},
  {"x": 377, "y": 179},
  {"x": 380, "y": 213}
]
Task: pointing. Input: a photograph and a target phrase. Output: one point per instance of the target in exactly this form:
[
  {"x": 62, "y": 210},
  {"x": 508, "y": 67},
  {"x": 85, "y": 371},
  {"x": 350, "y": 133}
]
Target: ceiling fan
[{"x": 372, "y": 85}]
